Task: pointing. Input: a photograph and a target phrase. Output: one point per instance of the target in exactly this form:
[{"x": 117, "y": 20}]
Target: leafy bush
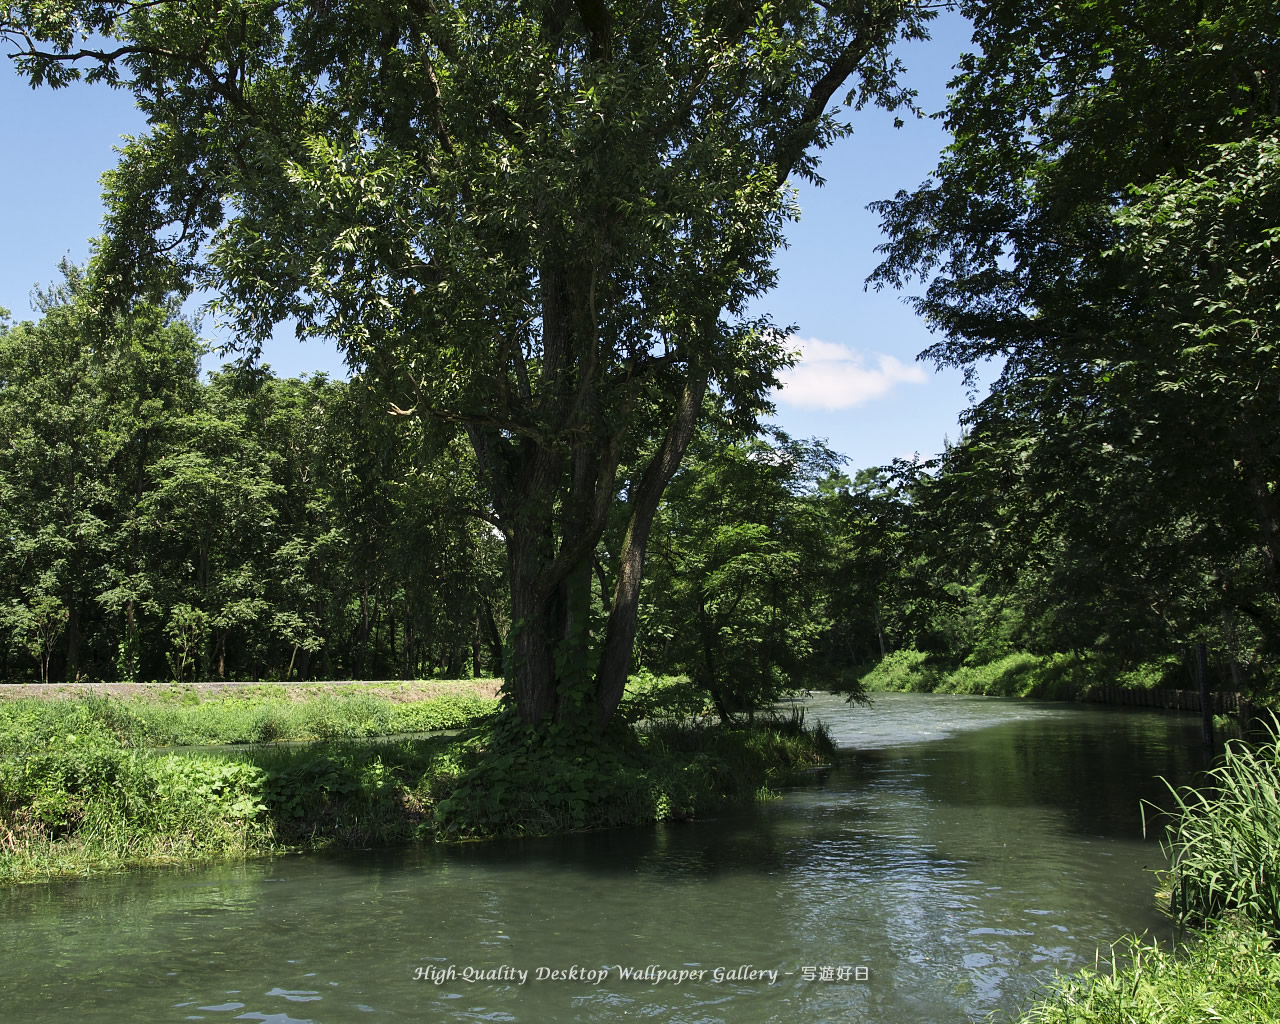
[
  {"x": 662, "y": 697},
  {"x": 1150, "y": 675},
  {"x": 85, "y": 799},
  {"x": 905, "y": 671},
  {"x": 440, "y": 713},
  {"x": 520, "y": 781}
]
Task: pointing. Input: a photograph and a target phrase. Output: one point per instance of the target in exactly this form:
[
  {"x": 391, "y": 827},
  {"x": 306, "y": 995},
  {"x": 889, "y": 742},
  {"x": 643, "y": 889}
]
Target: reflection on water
[{"x": 960, "y": 852}]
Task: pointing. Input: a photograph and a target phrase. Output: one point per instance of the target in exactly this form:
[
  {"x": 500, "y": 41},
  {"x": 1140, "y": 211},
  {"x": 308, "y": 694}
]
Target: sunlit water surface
[{"x": 961, "y": 851}]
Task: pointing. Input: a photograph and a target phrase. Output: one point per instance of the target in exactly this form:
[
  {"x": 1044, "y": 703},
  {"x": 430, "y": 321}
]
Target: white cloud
[{"x": 833, "y": 376}]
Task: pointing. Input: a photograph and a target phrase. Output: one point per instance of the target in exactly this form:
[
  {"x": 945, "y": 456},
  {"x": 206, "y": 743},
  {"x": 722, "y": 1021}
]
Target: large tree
[{"x": 541, "y": 221}]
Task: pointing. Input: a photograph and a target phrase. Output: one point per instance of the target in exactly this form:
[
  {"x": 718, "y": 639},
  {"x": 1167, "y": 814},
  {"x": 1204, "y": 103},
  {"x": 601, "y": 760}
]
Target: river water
[{"x": 961, "y": 851}]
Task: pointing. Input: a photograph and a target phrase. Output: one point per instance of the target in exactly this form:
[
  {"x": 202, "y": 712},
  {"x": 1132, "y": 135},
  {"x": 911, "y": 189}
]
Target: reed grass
[
  {"x": 1223, "y": 843},
  {"x": 1223, "y": 839}
]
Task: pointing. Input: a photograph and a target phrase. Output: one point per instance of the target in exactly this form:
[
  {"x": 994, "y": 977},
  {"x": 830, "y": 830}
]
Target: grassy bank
[
  {"x": 1231, "y": 976},
  {"x": 82, "y": 787},
  {"x": 173, "y": 716},
  {"x": 1224, "y": 882},
  {"x": 1048, "y": 676}
]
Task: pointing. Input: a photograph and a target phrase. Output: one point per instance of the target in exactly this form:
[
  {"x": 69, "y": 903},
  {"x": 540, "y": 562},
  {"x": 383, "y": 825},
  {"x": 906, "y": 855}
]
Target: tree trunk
[
  {"x": 531, "y": 679},
  {"x": 72, "y": 671},
  {"x": 620, "y": 633},
  {"x": 494, "y": 637}
]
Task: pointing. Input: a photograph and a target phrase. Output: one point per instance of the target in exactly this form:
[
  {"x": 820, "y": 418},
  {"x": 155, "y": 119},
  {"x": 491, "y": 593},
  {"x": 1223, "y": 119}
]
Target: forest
[
  {"x": 552, "y": 461},
  {"x": 244, "y": 527}
]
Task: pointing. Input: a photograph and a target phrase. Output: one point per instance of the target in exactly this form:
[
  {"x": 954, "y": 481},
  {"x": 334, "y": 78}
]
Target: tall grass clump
[
  {"x": 85, "y": 801},
  {"x": 1224, "y": 840}
]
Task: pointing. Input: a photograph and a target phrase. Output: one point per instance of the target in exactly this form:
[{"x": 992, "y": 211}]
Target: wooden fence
[{"x": 1221, "y": 702}]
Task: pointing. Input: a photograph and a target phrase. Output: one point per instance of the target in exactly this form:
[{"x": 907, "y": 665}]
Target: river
[{"x": 961, "y": 851}]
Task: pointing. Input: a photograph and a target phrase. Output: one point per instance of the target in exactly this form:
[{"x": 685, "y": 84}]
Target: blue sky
[{"x": 858, "y": 386}]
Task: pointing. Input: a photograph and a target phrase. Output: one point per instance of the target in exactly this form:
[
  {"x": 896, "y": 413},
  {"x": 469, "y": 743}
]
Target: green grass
[
  {"x": 1046, "y": 676},
  {"x": 1055, "y": 676},
  {"x": 236, "y": 717},
  {"x": 1223, "y": 841},
  {"x": 1231, "y": 975},
  {"x": 81, "y": 792}
]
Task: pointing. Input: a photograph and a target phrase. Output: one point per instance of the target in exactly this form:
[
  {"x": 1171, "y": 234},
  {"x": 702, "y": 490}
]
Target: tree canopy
[
  {"x": 1105, "y": 223},
  {"x": 540, "y": 222}
]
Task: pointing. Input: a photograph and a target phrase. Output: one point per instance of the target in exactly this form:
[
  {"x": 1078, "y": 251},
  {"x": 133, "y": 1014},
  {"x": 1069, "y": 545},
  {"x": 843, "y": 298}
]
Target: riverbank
[
  {"x": 898, "y": 858},
  {"x": 83, "y": 789},
  {"x": 1223, "y": 884},
  {"x": 1230, "y": 976},
  {"x": 1044, "y": 676}
]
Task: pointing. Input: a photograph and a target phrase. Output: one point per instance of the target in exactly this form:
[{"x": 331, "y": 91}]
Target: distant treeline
[
  {"x": 159, "y": 527},
  {"x": 250, "y": 527}
]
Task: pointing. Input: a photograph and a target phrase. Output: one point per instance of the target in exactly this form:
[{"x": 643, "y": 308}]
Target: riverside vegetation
[
  {"x": 1223, "y": 887},
  {"x": 1103, "y": 226},
  {"x": 82, "y": 787},
  {"x": 1059, "y": 676}
]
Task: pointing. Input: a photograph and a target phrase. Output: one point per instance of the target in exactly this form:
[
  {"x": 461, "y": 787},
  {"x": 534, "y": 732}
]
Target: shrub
[
  {"x": 906, "y": 670},
  {"x": 1053, "y": 676}
]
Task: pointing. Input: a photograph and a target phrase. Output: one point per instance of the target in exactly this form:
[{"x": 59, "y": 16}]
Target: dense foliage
[
  {"x": 1103, "y": 227},
  {"x": 742, "y": 577},
  {"x": 541, "y": 222},
  {"x": 161, "y": 527}
]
